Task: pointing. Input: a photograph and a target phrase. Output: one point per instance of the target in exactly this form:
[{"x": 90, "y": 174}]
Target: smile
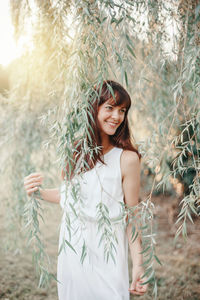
[{"x": 112, "y": 124}]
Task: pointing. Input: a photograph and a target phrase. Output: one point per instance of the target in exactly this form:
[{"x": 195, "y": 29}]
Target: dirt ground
[{"x": 178, "y": 277}]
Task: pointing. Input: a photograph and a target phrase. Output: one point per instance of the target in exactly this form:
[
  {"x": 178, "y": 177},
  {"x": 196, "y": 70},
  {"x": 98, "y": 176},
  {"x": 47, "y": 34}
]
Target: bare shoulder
[
  {"x": 130, "y": 157},
  {"x": 130, "y": 162}
]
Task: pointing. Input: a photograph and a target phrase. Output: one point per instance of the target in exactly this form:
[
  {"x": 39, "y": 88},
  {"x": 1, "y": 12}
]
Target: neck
[{"x": 106, "y": 144}]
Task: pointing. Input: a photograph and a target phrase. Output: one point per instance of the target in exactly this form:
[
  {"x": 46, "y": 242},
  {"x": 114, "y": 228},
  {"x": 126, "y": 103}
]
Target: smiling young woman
[
  {"x": 111, "y": 178},
  {"x": 110, "y": 117}
]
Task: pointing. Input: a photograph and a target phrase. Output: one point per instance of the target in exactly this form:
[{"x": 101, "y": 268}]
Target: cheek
[
  {"x": 100, "y": 119},
  {"x": 102, "y": 115},
  {"x": 122, "y": 121},
  {"x": 122, "y": 118}
]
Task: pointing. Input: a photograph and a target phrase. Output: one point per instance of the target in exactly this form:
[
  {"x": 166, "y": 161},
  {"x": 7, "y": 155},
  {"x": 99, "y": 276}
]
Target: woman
[{"x": 95, "y": 229}]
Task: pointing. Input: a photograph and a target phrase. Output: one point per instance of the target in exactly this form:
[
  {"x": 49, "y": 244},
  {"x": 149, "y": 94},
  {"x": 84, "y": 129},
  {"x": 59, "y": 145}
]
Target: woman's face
[{"x": 110, "y": 117}]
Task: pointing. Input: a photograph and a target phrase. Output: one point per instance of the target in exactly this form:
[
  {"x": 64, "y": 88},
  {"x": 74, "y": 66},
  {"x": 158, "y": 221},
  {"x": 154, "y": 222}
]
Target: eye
[
  {"x": 109, "y": 107},
  {"x": 123, "y": 110}
]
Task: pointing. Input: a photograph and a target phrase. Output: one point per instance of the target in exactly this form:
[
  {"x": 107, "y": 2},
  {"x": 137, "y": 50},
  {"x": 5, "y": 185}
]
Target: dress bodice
[{"x": 102, "y": 184}]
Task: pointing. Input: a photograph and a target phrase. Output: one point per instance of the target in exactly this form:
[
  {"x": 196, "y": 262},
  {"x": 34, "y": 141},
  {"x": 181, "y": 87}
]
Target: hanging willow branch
[
  {"x": 32, "y": 215},
  {"x": 75, "y": 46}
]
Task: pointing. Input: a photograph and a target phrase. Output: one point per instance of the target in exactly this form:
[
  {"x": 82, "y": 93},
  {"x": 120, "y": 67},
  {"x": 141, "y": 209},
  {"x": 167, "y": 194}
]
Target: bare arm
[
  {"x": 50, "y": 195},
  {"x": 130, "y": 165},
  {"x": 32, "y": 184}
]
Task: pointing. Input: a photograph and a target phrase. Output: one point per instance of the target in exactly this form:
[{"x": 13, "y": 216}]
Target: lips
[{"x": 112, "y": 124}]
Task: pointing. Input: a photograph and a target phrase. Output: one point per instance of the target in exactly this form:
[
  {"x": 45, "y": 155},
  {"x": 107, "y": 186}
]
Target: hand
[
  {"x": 136, "y": 288},
  {"x": 32, "y": 183}
]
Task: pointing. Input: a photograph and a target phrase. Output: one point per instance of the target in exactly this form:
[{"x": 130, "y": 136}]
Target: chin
[{"x": 110, "y": 132}]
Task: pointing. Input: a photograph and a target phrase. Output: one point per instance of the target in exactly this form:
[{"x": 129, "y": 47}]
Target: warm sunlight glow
[{"x": 9, "y": 50}]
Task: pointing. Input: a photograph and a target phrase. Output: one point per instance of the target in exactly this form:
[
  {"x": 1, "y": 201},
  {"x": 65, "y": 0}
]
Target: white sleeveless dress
[{"x": 97, "y": 276}]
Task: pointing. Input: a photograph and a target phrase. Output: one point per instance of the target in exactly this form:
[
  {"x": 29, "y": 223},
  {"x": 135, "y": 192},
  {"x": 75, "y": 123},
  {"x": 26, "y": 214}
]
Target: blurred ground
[{"x": 178, "y": 277}]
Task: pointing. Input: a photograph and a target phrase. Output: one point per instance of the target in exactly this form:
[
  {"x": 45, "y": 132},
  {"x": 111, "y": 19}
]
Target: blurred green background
[{"x": 57, "y": 50}]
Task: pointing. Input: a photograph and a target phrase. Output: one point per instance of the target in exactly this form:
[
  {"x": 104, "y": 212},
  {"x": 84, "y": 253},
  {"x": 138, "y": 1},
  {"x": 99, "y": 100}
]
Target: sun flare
[{"x": 9, "y": 49}]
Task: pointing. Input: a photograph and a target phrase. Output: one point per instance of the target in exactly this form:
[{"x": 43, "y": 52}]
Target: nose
[{"x": 115, "y": 114}]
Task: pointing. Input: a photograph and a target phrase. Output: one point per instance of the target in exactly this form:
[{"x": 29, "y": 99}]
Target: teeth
[{"x": 113, "y": 124}]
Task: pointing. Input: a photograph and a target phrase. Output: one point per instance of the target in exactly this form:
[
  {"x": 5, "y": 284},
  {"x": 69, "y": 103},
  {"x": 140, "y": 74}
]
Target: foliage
[
  {"x": 76, "y": 45},
  {"x": 32, "y": 213}
]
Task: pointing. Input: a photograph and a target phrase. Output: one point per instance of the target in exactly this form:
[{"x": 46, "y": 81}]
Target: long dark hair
[{"x": 113, "y": 91}]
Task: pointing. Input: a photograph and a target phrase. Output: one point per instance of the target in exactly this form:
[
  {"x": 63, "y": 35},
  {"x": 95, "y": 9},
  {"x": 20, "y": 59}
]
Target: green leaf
[
  {"x": 74, "y": 211},
  {"x": 131, "y": 51},
  {"x": 133, "y": 240},
  {"x": 147, "y": 272},
  {"x": 145, "y": 250},
  {"x": 126, "y": 78},
  {"x": 61, "y": 248},
  {"x": 83, "y": 253},
  {"x": 113, "y": 258},
  {"x": 70, "y": 246},
  {"x": 147, "y": 261},
  {"x": 157, "y": 259},
  {"x": 151, "y": 278}
]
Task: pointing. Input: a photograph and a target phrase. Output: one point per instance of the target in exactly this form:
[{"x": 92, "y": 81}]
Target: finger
[
  {"x": 30, "y": 191},
  {"x": 30, "y": 177},
  {"x": 33, "y": 175},
  {"x": 144, "y": 286},
  {"x": 140, "y": 289},
  {"x": 136, "y": 293},
  {"x": 139, "y": 285},
  {"x": 133, "y": 285},
  {"x": 32, "y": 185},
  {"x": 31, "y": 188},
  {"x": 33, "y": 181}
]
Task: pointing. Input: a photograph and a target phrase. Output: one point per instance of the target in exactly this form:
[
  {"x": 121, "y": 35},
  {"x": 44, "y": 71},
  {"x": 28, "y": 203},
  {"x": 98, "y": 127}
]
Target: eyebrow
[{"x": 113, "y": 103}]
